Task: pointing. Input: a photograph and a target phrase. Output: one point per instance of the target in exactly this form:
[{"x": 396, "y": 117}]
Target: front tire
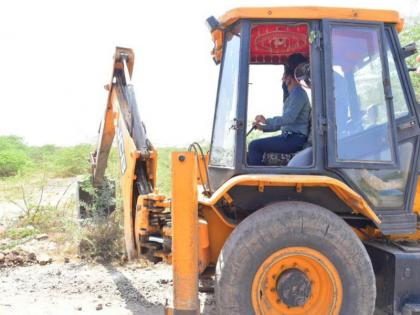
[{"x": 294, "y": 258}]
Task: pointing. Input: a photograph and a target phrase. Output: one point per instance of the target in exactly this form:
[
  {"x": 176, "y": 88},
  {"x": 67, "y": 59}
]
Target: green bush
[
  {"x": 22, "y": 232},
  {"x": 101, "y": 197},
  {"x": 101, "y": 234},
  {"x": 411, "y": 33},
  {"x": 102, "y": 238},
  {"x": 42, "y": 156},
  {"x": 71, "y": 161},
  {"x": 164, "y": 176},
  {"x": 12, "y": 143},
  {"x": 16, "y": 158},
  {"x": 13, "y": 156},
  {"x": 12, "y": 162}
]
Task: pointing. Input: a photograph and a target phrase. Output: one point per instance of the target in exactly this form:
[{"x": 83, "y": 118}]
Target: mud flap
[{"x": 99, "y": 200}]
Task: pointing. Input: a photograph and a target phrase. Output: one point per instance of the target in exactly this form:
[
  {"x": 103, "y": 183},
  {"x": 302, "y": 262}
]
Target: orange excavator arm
[
  {"x": 154, "y": 227},
  {"x": 137, "y": 155}
]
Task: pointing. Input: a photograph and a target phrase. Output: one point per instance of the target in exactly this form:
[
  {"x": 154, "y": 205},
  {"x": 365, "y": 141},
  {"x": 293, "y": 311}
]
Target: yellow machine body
[{"x": 190, "y": 229}]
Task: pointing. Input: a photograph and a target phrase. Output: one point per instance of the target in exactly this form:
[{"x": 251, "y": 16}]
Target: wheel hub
[
  {"x": 297, "y": 281},
  {"x": 293, "y": 287}
]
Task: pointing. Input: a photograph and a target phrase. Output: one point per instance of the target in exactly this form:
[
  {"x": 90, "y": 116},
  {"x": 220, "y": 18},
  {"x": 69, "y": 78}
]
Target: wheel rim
[{"x": 297, "y": 281}]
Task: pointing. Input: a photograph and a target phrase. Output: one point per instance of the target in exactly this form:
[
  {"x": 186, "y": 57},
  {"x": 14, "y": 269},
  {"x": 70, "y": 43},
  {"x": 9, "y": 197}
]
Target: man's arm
[{"x": 297, "y": 101}]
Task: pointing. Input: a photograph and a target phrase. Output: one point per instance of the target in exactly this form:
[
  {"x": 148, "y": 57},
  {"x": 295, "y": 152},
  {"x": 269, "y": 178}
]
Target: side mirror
[
  {"x": 212, "y": 23},
  {"x": 409, "y": 50}
]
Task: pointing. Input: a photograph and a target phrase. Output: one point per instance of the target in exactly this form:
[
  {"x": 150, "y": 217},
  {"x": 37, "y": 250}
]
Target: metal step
[{"x": 403, "y": 223}]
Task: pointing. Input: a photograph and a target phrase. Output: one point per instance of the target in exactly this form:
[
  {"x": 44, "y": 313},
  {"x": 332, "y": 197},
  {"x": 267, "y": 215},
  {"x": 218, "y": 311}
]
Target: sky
[{"x": 56, "y": 56}]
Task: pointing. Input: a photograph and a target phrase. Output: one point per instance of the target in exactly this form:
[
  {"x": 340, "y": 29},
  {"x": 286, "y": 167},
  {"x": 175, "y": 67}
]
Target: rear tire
[{"x": 280, "y": 229}]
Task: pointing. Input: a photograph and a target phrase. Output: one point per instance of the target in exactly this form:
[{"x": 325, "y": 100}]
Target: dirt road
[{"x": 80, "y": 288}]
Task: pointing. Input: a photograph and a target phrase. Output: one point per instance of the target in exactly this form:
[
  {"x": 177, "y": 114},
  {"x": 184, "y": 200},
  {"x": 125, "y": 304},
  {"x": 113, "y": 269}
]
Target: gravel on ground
[{"x": 82, "y": 288}]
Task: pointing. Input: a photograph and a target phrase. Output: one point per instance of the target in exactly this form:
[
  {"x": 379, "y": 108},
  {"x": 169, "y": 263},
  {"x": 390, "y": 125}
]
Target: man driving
[{"x": 294, "y": 123}]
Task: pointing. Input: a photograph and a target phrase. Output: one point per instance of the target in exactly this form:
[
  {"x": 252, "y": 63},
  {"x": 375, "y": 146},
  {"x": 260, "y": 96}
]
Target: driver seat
[{"x": 302, "y": 158}]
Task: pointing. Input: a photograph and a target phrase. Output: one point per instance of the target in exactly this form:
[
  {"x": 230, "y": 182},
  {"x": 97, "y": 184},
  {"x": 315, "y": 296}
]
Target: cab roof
[{"x": 312, "y": 13}]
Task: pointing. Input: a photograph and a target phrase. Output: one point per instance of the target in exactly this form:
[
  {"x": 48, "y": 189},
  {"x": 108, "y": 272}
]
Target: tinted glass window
[
  {"x": 400, "y": 104},
  {"x": 361, "y": 111},
  {"x": 223, "y": 144},
  {"x": 385, "y": 188}
]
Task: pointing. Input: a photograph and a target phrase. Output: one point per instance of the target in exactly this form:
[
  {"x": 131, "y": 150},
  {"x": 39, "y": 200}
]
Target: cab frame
[{"x": 405, "y": 128}]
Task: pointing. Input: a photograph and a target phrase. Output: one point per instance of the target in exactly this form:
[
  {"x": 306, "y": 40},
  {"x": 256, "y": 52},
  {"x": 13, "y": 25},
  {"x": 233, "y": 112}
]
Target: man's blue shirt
[{"x": 296, "y": 114}]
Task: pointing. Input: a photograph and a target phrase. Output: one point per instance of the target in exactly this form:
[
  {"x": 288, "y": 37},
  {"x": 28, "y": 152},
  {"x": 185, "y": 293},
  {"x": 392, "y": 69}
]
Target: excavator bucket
[{"x": 95, "y": 201}]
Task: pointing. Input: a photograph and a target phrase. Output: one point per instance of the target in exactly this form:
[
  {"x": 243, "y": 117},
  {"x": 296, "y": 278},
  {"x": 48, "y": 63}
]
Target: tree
[
  {"x": 411, "y": 33},
  {"x": 13, "y": 155}
]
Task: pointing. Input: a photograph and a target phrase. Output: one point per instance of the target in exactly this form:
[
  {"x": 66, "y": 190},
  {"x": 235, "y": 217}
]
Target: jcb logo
[{"x": 120, "y": 140}]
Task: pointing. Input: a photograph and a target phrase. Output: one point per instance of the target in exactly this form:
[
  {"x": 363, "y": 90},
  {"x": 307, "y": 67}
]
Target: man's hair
[
  {"x": 296, "y": 59},
  {"x": 292, "y": 62},
  {"x": 289, "y": 71}
]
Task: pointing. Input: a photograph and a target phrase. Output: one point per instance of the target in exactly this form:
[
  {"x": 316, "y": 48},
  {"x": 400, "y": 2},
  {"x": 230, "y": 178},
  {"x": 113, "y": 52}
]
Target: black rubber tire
[{"x": 287, "y": 224}]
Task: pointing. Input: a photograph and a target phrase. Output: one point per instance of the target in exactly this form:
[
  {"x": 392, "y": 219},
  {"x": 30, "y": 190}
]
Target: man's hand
[{"x": 259, "y": 121}]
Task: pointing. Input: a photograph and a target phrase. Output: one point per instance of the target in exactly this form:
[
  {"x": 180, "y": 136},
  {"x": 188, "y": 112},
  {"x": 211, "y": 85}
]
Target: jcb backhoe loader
[{"x": 330, "y": 229}]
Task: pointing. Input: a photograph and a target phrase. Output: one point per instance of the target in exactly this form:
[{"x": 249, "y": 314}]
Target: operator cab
[
  {"x": 253, "y": 56},
  {"x": 269, "y": 47},
  {"x": 363, "y": 121}
]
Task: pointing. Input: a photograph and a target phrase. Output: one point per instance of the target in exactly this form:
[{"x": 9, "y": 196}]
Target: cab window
[
  {"x": 399, "y": 100},
  {"x": 224, "y": 134},
  {"x": 362, "y": 119}
]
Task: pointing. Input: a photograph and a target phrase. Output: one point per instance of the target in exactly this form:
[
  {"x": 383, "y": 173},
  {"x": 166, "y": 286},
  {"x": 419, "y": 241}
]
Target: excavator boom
[
  {"x": 148, "y": 216},
  {"x": 138, "y": 158}
]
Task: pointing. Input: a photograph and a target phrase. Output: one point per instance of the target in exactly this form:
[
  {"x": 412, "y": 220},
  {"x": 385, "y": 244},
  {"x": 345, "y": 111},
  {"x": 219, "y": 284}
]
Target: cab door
[{"x": 367, "y": 114}]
